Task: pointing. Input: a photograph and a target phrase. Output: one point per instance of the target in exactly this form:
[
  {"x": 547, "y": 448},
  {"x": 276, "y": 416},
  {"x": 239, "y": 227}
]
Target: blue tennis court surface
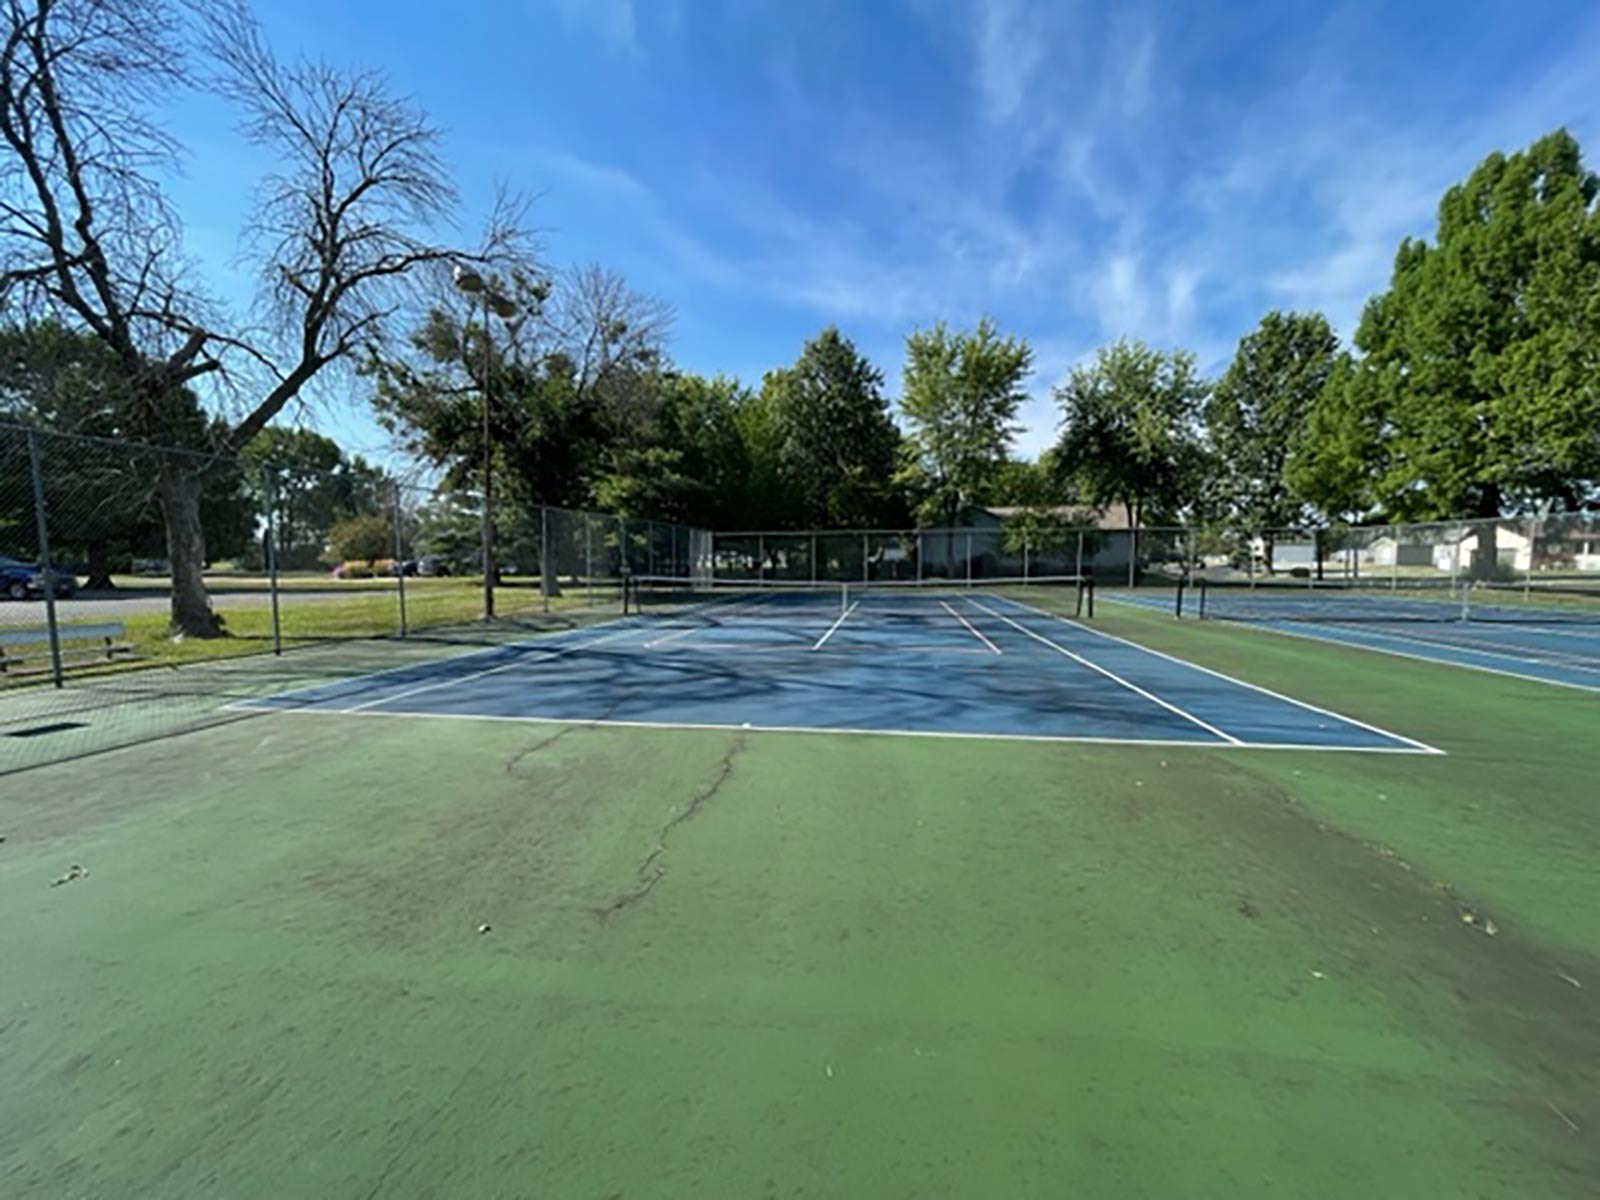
[
  {"x": 956, "y": 665},
  {"x": 1563, "y": 650}
]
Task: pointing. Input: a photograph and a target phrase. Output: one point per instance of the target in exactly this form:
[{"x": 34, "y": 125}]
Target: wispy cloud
[
  {"x": 613, "y": 21},
  {"x": 1010, "y": 45},
  {"x": 1104, "y": 172}
]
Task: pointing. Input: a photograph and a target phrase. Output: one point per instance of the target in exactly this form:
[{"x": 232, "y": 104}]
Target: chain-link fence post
[
  {"x": 546, "y": 583},
  {"x": 270, "y": 552},
  {"x": 588, "y": 562},
  {"x": 46, "y": 567},
  {"x": 400, "y": 560}
]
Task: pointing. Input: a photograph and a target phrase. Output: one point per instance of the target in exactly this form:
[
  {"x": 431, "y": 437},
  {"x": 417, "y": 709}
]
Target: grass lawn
[
  {"x": 371, "y": 610},
  {"x": 745, "y": 964}
]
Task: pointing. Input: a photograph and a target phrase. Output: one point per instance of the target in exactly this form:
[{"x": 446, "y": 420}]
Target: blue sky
[{"x": 1076, "y": 171}]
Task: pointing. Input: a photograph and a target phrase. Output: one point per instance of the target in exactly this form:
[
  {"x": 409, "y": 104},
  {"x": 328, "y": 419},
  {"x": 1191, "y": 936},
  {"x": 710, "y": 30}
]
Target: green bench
[{"x": 81, "y": 645}]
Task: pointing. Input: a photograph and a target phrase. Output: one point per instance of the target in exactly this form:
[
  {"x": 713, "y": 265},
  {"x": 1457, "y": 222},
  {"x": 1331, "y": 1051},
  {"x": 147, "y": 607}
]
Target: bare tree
[
  {"x": 343, "y": 229},
  {"x": 610, "y": 332}
]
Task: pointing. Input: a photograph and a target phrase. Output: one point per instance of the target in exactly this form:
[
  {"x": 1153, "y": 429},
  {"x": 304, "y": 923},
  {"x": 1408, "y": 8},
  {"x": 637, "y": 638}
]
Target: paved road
[{"x": 126, "y": 601}]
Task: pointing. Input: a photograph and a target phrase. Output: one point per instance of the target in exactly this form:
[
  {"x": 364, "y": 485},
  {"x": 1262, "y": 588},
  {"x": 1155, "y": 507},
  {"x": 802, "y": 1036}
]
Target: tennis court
[
  {"x": 1547, "y": 634},
  {"x": 928, "y": 660}
]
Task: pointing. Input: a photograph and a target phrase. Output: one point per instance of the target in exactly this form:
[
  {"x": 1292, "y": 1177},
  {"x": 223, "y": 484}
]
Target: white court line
[
  {"x": 1469, "y": 647},
  {"x": 545, "y": 655},
  {"x": 832, "y": 629},
  {"x": 1112, "y": 675},
  {"x": 970, "y": 627},
  {"x": 1254, "y": 687},
  {"x": 1422, "y": 658},
  {"x": 603, "y": 722}
]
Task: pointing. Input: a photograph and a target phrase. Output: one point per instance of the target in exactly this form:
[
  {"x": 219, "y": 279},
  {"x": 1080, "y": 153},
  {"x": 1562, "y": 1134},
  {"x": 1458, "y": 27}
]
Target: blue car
[{"x": 24, "y": 581}]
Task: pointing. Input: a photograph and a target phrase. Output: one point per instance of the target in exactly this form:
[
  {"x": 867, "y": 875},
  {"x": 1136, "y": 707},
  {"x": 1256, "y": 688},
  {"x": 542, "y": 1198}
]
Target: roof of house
[{"x": 1112, "y": 517}]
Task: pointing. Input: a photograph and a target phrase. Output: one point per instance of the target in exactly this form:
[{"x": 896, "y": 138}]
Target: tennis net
[
  {"x": 776, "y": 599},
  {"x": 1340, "y": 601}
]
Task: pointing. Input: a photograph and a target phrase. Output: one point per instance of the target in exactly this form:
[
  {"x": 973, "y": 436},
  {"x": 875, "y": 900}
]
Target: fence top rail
[{"x": 125, "y": 444}]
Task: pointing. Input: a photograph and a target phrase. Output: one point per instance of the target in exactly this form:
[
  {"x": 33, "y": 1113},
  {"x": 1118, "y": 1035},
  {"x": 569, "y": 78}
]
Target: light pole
[{"x": 470, "y": 283}]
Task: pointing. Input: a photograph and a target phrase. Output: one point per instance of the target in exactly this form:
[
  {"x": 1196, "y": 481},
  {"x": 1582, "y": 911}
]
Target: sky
[{"x": 1077, "y": 172}]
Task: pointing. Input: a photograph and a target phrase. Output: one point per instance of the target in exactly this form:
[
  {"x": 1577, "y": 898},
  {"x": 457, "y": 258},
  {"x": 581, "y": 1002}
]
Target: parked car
[{"x": 24, "y": 581}]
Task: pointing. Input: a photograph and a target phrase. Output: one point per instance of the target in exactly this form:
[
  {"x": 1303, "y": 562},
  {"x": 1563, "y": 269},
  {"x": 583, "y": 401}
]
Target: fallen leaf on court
[
  {"x": 1318, "y": 975},
  {"x": 75, "y": 872},
  {"x": 483, "y": 928}
]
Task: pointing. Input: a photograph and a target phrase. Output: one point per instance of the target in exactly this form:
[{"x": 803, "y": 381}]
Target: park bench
[{"x": 81, "y": 645}]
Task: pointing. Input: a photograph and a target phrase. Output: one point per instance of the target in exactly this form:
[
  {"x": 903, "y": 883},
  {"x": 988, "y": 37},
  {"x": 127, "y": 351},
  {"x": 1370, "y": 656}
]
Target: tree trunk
[
  {"x": 1486, "y": 547},
  {"x": 179, "y": 489},
  {"x": 99, "y": 566}
]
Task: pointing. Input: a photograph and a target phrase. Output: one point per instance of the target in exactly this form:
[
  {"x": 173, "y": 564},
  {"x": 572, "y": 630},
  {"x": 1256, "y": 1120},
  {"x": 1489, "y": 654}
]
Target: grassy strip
[{"x": 367, "y": 613}]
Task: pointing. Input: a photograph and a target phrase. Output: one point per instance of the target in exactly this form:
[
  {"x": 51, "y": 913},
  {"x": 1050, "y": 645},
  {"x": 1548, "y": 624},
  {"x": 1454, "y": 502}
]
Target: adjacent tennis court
[
  {"x": 1547, "y": 634},
  {"x": 930, "y": 660}
]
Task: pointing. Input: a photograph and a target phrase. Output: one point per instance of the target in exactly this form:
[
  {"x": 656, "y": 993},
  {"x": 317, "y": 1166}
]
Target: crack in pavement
[
  {"x": 652, "y": 870},
  {"x": 515, "y": 760}
]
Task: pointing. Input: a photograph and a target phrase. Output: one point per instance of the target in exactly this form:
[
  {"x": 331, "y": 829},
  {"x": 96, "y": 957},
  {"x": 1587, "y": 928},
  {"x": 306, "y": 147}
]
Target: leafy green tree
[
  {"x": 1335, "y": 463},
  {"x": 836, "y": 443},
  {"x": 1130, "y": 431},
  {"x": 687, "y": 460},
  {"x": 447, "y": 529},
  {"x": 1025, "y": 483},
  {"x": 101, "y": 494},
  {"x": 960, "y": 398},
  {"x": 1259, "y": 411},
  {"x": 308, "y": 483},
  {"x": 771, "y": 500},
  {"x": 363, "y": 538},
  {"x": 1476, "y": 391}
]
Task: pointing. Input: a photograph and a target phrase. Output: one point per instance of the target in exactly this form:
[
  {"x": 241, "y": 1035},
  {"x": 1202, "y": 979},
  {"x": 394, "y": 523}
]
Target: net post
[
  {"x": 622, "y": 528},
  {"x": 1133, "y": 555},
  {"x": 399, "y": 561},
  {"x": 1178, "y": 605},
  {"x": 813, "y": 558},
  {"x": 1024, "y": 558},
  {"x": 1394, "y": 561},
  {"x": 1200, "y": 614},
  {"x": 1080, "y": 554},
  {"x": 921, "y": 546},
  {"x": 866, "y": 570},
  {"x": 271, "y": 493},
  {"x": 969, "y": 559},
  {"x": 588, "y": 563},
  {"x": 1088, "y": 591},
  {"x": 42, "y": 527}
]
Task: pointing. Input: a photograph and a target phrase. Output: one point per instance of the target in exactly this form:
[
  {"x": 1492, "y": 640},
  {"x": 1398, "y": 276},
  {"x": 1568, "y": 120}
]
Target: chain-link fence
[
  {"x": 121, "y": 562},
  {"x": 1560, "y": 551}
]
